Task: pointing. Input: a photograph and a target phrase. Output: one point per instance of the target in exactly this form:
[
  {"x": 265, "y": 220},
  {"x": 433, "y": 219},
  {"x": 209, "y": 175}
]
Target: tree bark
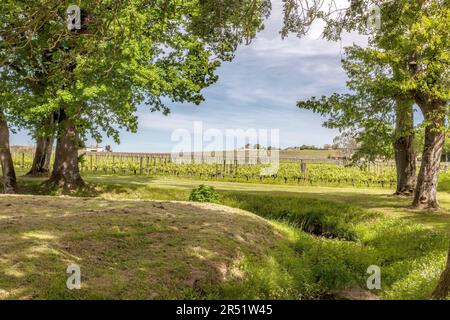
[
  {"x": 42, "y": 157},
  {"x": 9, "y": 174},
  {"x": 405, "y": 157},
  {"x": 66, "y": 173},
  {"x": 44, "y": 148},
  {"x": 426, "y": 191},
  {"x": 442, "y": 290}
]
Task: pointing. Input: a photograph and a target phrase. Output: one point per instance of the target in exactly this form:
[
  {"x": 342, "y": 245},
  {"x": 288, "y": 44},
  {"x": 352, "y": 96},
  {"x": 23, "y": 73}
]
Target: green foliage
[
  {"x": 308, "y": 147},
  {"x": 204, "y": 194},
  {"x": 406, "y": 62},
  {"x": 128, "y": 53}
]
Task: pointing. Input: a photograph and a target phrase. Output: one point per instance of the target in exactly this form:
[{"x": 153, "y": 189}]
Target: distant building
[
  {"x": 22, "y": 148},
  {"x": 93, "y": 149}
]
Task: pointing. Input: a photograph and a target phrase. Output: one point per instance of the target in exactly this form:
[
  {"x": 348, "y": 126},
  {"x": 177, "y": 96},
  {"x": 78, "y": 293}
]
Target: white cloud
[{"x": 269, "y": 42}]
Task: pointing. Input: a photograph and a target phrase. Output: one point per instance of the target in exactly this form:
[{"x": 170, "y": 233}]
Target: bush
[{"x": 204, "y": 194}]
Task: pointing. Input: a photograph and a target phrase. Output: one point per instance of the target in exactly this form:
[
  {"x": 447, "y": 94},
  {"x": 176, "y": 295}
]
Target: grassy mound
[{"x": 137, "y": 250}]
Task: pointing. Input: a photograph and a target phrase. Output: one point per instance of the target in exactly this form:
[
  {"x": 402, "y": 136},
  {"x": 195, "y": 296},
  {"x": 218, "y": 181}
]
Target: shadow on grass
[
  {"x": 407, "y": 250},
  {"x": 136, "y": 251},
  {"x": 116, "y": 187}
]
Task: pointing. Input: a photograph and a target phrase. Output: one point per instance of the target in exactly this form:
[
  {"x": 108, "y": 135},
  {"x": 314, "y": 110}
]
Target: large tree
[
  {"x": 412, "y": 43},
  {"x": 416, "y": 44},
  {"x": 380, "y": 116},
  {"x": 128, "y": 53},
  {"x": 9, "y": 175},
  {"x": 442, "y": 291},
  {"x": 44, "y": 135}
]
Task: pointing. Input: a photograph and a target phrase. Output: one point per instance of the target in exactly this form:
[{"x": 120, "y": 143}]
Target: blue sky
[{"x": 259, "y": 90}]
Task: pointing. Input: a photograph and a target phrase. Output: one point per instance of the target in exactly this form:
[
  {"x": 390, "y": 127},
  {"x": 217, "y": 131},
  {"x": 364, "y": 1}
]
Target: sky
[{"x": 257, "y": 90}]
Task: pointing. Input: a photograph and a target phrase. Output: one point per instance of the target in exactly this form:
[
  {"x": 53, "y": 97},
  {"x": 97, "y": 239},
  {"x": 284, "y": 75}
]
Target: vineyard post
[
  {"x": 147, "y": 168},
  {"x": 113, "y": 164},
  {"x": 141, "y": 170},
  {"x": 91, "y": 160},
  {"x": 23, "y": 160},
  {"x": 303, "y": 168},
  {"x": 217, "y": 170}
]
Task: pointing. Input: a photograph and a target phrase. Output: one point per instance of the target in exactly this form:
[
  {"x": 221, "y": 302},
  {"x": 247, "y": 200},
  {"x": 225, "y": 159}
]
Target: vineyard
[{"x": 312, "y": 172}]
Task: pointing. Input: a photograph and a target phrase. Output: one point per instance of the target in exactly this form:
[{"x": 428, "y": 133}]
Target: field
[
  {"x": 260, "y": 241},
  {"x": 314, "y": 172}
]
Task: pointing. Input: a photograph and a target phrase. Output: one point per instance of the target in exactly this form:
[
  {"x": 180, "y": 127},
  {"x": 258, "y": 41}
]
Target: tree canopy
[{"x": 126, "y": 54}]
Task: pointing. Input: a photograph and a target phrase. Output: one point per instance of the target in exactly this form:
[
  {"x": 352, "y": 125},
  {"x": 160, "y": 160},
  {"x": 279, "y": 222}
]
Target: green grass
[
  {"x": 410, "y": 255},
  {"x": 322, "y": 218},
  {"x": 311, "y": 242},
  {"x": 132, "y": 249}
]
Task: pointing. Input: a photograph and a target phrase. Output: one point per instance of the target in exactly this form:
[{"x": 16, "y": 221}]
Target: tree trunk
[
  {"x": 42, "y": 156},
  {"x": 405, "y": 158},
  {"x": 9, "y": 174},
  {"x": 442, "y": 290},
  {"x": 44, "y": 147},
  {"x": 427, "y": 181},
  {"x": 66, "y": 173}
]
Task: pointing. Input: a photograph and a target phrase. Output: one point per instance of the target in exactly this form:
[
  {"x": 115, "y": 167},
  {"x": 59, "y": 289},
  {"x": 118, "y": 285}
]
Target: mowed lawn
[{"x": 137, "y": 237}]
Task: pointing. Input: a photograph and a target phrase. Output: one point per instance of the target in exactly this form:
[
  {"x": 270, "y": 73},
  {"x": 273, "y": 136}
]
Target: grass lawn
[{"x": 290, "y": 242}]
